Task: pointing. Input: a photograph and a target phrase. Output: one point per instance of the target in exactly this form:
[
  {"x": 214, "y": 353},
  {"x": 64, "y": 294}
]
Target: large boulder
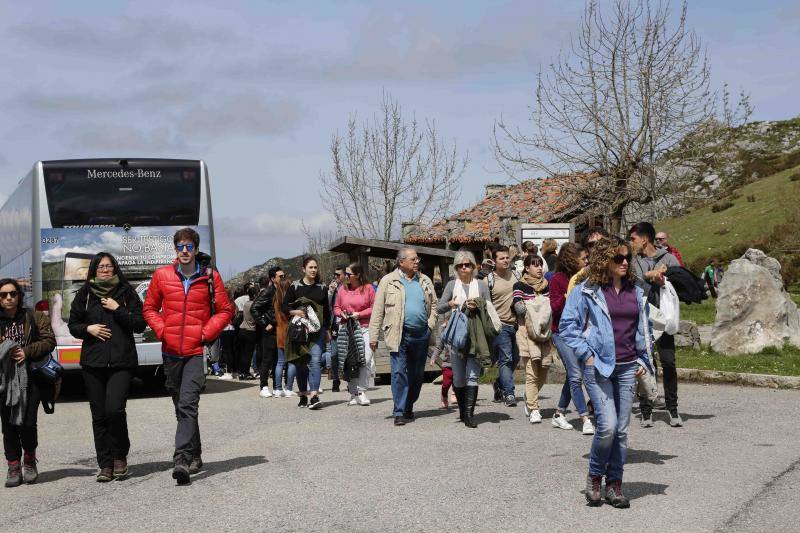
[{"x": 753, "y": 309}]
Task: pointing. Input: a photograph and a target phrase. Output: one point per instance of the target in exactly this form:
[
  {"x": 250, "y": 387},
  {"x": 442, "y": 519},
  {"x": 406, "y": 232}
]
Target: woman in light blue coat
[{"x": 606, "y": 323}]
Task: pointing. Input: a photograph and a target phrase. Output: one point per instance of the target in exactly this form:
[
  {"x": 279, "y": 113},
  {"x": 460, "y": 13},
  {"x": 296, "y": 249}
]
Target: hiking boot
[
  {"x": 593, "y": 490},
  {"x": 120, "y": 468},
  {"x": 180, "y": 472},
  {"x": 614, "y": 495},
  {"x": 105, "y": 475},
  {"x": 14, "y": 477},
  {"x": 29, "y": 472},
  {"x": 398, "y": 421},
  {"x": 409, "y": 416},
  {"x": 196, "y": 465},
  {"x": 511, "y": 400},
  {"x": 675, "y": 419}
]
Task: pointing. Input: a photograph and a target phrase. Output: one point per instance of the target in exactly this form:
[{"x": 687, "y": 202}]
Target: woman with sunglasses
[
  {"x": 535, "y": 356},
  {"x": 105, "y": 313},
  {"x": 606, "y": 323},
  {"x": 354, "y": 300},
  {"x": 458, "y": 293},
  {"x": 33, "y": 340}
]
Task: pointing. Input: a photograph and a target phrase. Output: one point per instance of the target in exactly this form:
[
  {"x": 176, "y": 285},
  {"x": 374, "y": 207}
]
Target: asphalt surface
[{"x": 735, "y": 466}]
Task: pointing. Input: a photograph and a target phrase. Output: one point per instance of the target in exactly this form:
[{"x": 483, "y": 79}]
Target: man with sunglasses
[
  {"x": 187, "y": 307},
  {"x": 649, "y": 265}
]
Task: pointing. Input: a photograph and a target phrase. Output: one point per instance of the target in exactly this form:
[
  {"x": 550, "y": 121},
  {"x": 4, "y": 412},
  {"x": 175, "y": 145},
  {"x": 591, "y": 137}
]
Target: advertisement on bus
[{"x": 67, "y": 252}]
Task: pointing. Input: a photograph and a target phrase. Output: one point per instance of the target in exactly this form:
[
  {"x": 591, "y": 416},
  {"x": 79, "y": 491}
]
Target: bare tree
[
  {"x": 628, "y": 109},
  {"x": 390, "y": 170}
]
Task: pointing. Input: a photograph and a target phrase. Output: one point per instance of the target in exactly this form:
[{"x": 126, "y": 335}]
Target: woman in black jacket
[{"x": 105, "y": 313}]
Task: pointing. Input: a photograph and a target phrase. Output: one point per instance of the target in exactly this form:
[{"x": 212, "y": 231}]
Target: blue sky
[{"x": 257, "y": 88}]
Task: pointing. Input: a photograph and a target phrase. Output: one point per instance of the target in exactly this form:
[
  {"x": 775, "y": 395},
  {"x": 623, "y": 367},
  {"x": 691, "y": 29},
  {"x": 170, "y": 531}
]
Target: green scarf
[{"x": 103, "y": 288}]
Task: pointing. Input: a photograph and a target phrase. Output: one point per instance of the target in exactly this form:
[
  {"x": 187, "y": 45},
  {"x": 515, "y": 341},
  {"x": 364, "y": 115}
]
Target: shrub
[
  {"x": 721, "y": 206},
  {"x": 795, "y": 177}
]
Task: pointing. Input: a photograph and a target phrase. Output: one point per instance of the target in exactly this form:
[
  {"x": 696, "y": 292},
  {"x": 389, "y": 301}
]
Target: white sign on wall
[{"x": 561, "y": 232}]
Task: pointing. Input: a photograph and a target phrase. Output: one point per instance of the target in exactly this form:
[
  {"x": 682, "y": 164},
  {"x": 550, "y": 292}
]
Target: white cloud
[{"x": 57, "y": 254}]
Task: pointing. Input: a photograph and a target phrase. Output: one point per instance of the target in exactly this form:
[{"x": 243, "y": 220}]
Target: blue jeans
[
  {"x": 332, "y": 358},
  {"x": 466, "y": 370},
  {"x": 572, "y": 389},
  {"x": 314, "y": 363},
  {"x": 408, "y": 370},
  {"x": 506, "y": 355},
  {"x": 291, "y": 371},
  {"x": 612, "y": 398}
]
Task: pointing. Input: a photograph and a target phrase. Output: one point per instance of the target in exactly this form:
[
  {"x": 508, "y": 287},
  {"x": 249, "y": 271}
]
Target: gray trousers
[{"x": 185, "y": 379}]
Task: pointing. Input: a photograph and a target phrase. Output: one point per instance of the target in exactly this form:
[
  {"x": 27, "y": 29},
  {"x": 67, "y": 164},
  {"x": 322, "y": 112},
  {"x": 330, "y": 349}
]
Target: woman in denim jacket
[{"x": 606, "y": 323}]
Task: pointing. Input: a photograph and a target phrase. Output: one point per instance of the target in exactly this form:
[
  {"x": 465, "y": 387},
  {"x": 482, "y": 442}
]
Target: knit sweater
[{"x": 358, "y": 300}]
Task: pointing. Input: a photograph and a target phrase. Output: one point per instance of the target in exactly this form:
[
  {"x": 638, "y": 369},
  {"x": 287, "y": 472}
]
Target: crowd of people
[{"x": 586, "y": 304}]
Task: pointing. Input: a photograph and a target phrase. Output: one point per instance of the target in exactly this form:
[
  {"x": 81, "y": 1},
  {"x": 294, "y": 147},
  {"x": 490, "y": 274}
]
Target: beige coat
[
  {"x": 389, "y": 308},
  {"x": 535, "y": 350}
]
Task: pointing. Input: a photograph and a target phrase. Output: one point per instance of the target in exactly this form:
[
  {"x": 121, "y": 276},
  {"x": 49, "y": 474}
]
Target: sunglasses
[
  {"x": 182, "y": 247},
  {"x": 464, "y": 265},
  {"x": 4, "y": 294},
  {"x": 661, "y": 238},
  {"x": 619, "y": 258},
  {"x": 348, "y": 274}
]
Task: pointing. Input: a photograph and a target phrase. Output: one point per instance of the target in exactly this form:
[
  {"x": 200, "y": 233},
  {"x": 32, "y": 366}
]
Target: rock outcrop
[
  {"x": 753, "y": 309},
  {"x": 688, "y": 335}
]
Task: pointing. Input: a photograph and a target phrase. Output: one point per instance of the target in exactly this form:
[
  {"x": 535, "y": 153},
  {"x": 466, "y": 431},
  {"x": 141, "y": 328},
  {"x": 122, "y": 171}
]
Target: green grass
[
  {"x": 777, "y": 361},
  {"x": 701, "y": 233},
  {"x": 702, "y": 313}
]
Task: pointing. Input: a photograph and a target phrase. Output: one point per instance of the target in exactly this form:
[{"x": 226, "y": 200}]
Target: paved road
[{"x": 271, "y": 466}]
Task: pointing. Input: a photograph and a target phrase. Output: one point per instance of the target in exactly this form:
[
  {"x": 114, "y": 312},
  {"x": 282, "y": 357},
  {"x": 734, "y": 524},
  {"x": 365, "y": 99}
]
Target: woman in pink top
[{"x": 354, "y": 300}]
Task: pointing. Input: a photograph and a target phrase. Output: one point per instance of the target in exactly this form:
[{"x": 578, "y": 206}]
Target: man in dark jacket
[
  {"x": 263, "y": 311},
  {"x": 180, "y": 310},
  {"x": 649, "y": 266}
]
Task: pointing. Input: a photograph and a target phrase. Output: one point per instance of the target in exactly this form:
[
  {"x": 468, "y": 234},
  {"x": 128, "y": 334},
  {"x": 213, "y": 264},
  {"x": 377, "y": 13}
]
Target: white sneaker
[
  {"x": 320, "y": 390},
  {"x": 278, "y": 393},
  {"x": 535, "y": 417},
  {"x": 265, "y": 392},
  {"x": 288, "y": 393},
  {"x": 227, "y": 376},
  {"x": 560, "y": 421},
  {"x": 362, "y": 399},
  {"x": 588, "y": 427},
  {"x": 353, "y": 400}
]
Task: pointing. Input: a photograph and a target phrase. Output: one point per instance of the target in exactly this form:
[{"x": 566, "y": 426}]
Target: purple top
[{"x": 624, "y": 311}]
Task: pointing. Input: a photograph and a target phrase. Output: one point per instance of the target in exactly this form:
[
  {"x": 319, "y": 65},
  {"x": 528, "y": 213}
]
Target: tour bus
[{"x": 64, "y": 212}]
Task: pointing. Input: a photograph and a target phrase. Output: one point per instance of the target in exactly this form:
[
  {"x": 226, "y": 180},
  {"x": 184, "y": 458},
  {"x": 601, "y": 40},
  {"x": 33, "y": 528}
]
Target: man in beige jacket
[{"x": 405, "y": 312}]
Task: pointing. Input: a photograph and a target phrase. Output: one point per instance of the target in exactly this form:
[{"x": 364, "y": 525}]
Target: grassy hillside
[{"x": 764, "y": 214}]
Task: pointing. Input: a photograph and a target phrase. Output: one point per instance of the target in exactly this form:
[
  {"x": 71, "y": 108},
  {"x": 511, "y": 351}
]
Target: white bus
[{"x": 64, "y": 212}]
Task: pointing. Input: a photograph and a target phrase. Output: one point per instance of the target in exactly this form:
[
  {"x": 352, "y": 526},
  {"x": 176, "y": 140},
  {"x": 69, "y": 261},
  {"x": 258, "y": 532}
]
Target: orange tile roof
[{"x": 531, "y": 201}]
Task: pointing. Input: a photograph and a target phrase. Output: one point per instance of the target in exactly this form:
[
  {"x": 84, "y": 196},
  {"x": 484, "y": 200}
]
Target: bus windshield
[{"x": 138, "y": 193}]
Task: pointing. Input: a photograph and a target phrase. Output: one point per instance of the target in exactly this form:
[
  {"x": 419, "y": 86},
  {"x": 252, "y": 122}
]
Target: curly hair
[
  {"x": 601, "y": 255},
  {"x": 569, "y": 259}
]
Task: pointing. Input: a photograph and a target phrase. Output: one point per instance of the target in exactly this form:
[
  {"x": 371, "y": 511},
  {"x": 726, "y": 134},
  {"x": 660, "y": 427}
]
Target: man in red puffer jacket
[{"x": 178, "y": 308}]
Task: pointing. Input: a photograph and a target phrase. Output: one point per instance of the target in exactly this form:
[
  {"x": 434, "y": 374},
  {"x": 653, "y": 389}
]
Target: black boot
[
  {"x": 462, "y": 403},
  {"x": 470, "y": 397}
]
